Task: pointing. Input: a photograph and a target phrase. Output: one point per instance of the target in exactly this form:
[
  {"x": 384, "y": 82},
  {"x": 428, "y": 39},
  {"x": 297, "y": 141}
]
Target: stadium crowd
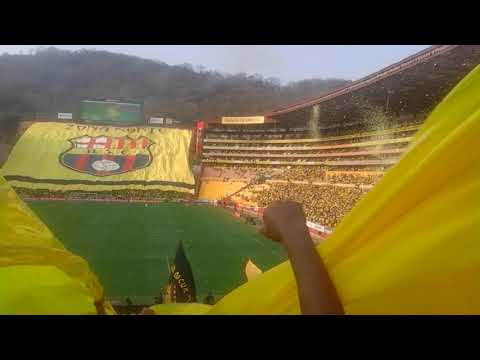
[
  {"x": 303, "y": 173},
  {"x": 279, "y": 168},
  {"x": 115, "y": 195},
  {"x": 289, "y": 150},
  {"x": 265, "y": 157},
  {"x": 325, "y": 205},
  {"x": 354, "y": 179},
  {"x": 353, "y": 135},
  {"x": 334, "y": 187}
]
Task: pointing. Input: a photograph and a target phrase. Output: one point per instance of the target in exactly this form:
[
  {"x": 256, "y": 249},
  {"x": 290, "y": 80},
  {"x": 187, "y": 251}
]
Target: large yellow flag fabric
[
  {"x": 58, "y": 156},
  {"x": 412, "y": 245},
  {"x": 37, "y": 274}
]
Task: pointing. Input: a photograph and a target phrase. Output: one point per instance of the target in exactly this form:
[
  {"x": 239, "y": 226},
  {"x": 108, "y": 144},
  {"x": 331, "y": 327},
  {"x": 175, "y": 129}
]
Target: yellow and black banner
[
  {"x": 181, "y": 284},
  {"x": 58, "y": 156}
]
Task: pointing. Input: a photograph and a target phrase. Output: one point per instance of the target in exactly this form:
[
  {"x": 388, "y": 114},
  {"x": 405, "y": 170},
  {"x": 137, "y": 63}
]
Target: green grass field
[{"x": 127, "y": 245}]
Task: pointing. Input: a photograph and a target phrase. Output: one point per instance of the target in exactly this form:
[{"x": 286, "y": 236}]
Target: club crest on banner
[{"x": 106, "y": 155}]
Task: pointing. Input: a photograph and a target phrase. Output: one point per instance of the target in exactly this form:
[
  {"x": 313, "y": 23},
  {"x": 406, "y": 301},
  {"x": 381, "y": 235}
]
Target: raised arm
[{"x": 284, "y": 221}]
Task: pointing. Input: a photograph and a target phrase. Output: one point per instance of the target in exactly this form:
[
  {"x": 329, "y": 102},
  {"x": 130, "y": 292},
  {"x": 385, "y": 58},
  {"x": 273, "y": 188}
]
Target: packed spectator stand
[
  {"x": 328, "y": 152},
  {"x": 328, "y": 175}
]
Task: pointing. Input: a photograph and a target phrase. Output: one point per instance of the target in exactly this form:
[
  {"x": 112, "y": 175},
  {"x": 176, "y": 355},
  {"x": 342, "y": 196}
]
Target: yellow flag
[
  {"x": 251, "y": 270},
  {"x": 37, "y": 274}
]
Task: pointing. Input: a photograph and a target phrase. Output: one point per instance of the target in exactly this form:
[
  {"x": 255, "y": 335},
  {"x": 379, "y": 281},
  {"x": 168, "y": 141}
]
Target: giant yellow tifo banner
[{"x": 59, "y": 156}]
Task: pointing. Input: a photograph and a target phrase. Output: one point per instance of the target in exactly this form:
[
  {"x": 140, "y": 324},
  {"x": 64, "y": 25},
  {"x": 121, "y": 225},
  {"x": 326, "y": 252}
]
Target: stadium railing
[
  {"x": 317, "y": 155},
  {"x": 306, "y": 163},
  {"x": 315, "y": 140},
  {"x": 401, "y": 140}
]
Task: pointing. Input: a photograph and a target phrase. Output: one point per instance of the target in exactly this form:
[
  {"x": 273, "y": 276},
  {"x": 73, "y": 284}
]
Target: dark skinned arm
[{"x": 284, "y": 221}]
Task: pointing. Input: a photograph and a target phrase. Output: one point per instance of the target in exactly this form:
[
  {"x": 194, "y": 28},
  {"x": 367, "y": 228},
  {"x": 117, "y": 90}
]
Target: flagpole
[{"x": 168, "y": 281}]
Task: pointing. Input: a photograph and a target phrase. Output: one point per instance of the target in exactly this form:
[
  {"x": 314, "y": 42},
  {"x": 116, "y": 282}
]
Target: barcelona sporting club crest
[{"x": 106, "y": 155}]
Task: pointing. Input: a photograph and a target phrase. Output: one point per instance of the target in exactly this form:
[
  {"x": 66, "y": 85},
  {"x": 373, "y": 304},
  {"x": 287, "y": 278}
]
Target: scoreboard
[{"x": 111, "y": 112}]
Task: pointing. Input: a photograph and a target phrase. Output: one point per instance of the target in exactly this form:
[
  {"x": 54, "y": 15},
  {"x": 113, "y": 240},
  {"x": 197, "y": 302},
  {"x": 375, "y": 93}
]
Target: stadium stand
[
  {"x": 308, "y": 170},
  {"x": 329, "y": 151}
]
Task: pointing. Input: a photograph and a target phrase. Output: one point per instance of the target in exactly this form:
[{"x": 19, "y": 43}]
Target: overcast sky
[{"x": 285, "y": 62}]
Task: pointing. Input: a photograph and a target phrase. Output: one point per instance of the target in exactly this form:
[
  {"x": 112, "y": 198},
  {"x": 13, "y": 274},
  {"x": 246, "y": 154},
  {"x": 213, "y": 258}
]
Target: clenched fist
[{"x": 283, "y": 219}]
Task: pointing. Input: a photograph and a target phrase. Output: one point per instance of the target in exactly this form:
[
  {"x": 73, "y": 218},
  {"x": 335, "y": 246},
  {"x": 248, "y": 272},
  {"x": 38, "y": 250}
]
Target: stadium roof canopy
[{"x": 411, "y": 86}]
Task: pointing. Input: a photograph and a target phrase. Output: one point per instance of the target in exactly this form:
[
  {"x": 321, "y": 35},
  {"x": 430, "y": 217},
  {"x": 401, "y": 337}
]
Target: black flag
[{"x": 181, "y": 285}]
